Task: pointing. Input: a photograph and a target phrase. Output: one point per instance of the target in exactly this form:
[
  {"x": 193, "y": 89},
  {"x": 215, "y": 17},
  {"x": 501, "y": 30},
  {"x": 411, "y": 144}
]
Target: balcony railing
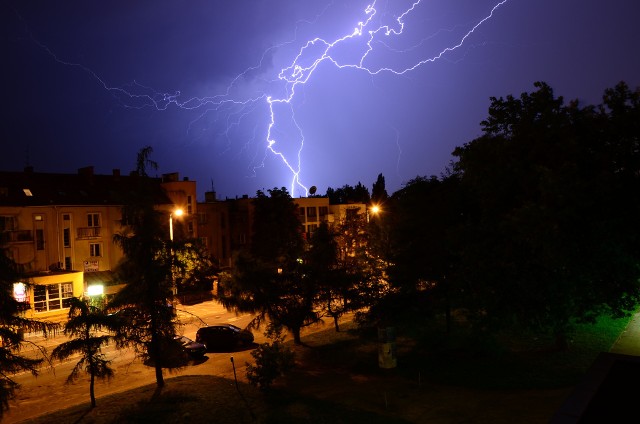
[
  {"x": 16, "y": 236},
  {"x": 88, "y": 232}
]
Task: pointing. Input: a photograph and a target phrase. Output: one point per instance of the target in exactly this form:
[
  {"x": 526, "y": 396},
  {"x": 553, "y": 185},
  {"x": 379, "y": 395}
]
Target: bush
[{"x": 272, "y": 359}]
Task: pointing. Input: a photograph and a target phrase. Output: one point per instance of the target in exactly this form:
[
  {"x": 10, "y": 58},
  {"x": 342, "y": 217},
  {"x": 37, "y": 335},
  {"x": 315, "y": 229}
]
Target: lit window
[
  {"x": 52, "y": 297},
  {"x": 27, "y": 192}
]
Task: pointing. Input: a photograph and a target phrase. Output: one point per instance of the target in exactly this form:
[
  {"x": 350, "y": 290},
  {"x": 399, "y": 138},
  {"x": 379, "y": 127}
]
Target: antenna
[{"x": 312, "y": 190}]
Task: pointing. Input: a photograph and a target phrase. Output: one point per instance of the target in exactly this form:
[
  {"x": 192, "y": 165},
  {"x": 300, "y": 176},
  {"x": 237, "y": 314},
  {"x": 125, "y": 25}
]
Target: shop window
[{"x": 52, "y": 297}]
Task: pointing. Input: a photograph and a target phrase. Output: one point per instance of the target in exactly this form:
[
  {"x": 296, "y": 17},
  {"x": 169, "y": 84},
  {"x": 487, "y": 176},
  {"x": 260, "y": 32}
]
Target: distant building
[
  {"x": 59, "y": 229},
  {"x": 225, "y": 226}
]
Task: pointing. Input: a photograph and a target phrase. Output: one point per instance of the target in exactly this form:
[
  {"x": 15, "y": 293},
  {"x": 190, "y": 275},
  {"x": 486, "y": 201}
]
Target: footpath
[{"x": 609, "y": 392}]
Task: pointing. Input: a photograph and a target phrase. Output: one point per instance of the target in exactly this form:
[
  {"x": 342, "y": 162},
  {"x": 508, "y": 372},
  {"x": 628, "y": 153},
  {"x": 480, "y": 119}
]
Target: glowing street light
[
  {"x": 374, "y": 210},
  {"x": 178, "y": 212}
]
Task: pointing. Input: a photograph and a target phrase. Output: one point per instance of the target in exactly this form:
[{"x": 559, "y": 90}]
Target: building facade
[{"x": 59, "y": 230}]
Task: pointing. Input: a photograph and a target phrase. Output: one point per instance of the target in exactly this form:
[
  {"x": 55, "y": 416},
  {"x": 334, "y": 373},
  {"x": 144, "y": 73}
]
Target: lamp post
[{"x": 176, "y": 212}]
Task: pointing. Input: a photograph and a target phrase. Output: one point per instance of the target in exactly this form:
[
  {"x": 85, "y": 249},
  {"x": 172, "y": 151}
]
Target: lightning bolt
[{"x": 366, "y": 35}]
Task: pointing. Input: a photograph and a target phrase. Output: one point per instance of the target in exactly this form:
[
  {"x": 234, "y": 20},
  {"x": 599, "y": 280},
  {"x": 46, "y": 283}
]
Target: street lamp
[
  {"x": 177, "y": 212},
  {"x": 374, "y": 209}
]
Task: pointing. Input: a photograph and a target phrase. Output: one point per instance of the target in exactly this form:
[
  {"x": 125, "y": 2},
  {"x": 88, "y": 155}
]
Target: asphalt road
[{"x": 48, "y": 392}]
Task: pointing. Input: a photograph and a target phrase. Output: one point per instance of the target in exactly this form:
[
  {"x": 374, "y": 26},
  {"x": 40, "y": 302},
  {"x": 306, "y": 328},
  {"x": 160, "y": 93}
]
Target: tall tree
[
  {"x": 269, "y": 280},
  {"x": 423, "y": 217},
  {"x": 147, "y": 270},
  {"x": 85, "y": 323},
  {"x": 551, "y": 234},
  {"x": 12, "y": 326},
  {"x": 379, "y": 192}
]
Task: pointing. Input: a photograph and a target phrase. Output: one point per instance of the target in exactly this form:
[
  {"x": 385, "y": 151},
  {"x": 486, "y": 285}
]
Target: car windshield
[{"x": 184, "y": 340}]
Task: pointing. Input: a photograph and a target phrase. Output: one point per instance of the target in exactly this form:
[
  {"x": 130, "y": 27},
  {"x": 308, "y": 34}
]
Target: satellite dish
[{"x": 312, "y": 190}]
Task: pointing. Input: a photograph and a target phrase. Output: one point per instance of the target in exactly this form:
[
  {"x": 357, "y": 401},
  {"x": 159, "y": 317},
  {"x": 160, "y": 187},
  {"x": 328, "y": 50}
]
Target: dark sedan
[
  {"x": 193, "y": 349},
  {"x": 224, "y": 336}
]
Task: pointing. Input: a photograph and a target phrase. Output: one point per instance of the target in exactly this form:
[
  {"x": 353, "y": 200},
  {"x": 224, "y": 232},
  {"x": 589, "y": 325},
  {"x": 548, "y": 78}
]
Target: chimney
[
  {"x": 28, "y": 169},
  {"x": 116, "y": 173}
]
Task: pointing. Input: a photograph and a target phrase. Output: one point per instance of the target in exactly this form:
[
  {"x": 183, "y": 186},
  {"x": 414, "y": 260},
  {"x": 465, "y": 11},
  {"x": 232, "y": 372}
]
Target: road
[{"x": 48, "y": 392}]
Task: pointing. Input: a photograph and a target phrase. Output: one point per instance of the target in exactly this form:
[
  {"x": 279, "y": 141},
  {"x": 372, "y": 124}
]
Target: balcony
[
  {"x": 88, "y": 232},
  {"x": 16, "y": 236}
]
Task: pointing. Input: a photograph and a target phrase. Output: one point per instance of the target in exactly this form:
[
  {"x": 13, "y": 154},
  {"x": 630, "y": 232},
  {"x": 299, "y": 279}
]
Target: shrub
[{"x": 272, "y": 360}]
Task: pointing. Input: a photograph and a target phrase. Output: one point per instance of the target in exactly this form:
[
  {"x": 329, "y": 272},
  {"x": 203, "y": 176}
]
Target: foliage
[
  {"x": 147, "y": 320},
  {"x": 551, "y": 230},
  {"x": 12, "y": 327},
  {"x": 358, "y": 278},
  {"x": 84, "y": 323},
  {"x": 194, "y": 268},
  {"x": 379, "y": 192},
  {"x": 269, "y": 281},
  {"x": 272, "y": 360},
  {"x": 348, "y": 194}
]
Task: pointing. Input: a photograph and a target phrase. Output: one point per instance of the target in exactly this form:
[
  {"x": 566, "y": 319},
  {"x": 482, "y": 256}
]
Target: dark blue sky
[{"x": 90, "y": 83}]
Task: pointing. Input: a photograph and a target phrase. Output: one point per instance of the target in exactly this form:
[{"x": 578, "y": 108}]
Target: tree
[
  {"x": 12, "y": 326},
  {"x": 378, "y": 192},
  {"x": 423, "y": 217},
  {"x": 269, "y": 280},
  {"x": 272, "y": 359},
  {"x": 147, "y": 270},
  {"x": 551, "y": 233},
  {"x": 194, "y": 268},
  {"x": 85, "y": 321},
  {"x": 348, "y": 194}
]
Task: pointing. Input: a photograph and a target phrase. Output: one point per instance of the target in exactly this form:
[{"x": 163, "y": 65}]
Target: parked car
[
  {"x": 224, "y": 336},
  {"x": 193, "y": 349}
]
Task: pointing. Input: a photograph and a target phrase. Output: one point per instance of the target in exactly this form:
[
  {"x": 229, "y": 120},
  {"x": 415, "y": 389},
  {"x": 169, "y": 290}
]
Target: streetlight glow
[{"x": 176, "y": 212}]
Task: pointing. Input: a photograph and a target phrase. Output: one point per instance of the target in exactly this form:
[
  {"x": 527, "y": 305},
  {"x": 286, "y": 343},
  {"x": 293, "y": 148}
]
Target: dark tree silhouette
[{"x": 85, "y": 323}]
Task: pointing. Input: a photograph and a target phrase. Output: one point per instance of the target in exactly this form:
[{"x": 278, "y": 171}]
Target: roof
[{"x": 30, "y": 188}]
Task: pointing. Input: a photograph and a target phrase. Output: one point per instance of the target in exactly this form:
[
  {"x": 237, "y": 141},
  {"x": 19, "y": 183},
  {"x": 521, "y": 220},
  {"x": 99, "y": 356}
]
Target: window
[
  {"x": 324, "y": 211},
  {"x": 67, "y": 263},
  {"x": 93, "y": 220},
  {"x": 190, "y": 227},
  {"x": 312, "y": 213},
  {"x": 189, "y": 205},
  {"x": 39, "y": 239},
  {"x": 95, "y": 249},
  {"x": 7, "y": 223},
  {"x": 66, "y": 237},
  {"x": 52, "y": 297}
]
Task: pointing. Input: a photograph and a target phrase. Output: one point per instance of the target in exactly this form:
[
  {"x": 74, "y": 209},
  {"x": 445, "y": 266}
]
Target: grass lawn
[{"x": 503, "y": 379}]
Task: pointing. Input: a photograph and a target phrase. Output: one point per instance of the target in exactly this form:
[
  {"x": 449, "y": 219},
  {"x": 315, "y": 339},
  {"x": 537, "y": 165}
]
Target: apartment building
[
  {"x": 59, "y": 229},
  {"x": 225, "y": 226}
]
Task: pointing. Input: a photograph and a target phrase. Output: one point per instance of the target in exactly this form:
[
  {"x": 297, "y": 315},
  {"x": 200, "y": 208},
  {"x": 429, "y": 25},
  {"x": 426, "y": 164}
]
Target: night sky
[{"x": 92, "y": 82}]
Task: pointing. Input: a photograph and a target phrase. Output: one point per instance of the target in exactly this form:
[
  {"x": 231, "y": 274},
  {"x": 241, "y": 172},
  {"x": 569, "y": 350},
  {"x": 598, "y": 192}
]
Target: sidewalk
[
  {"x": 628, "y": 342},
  {"x": 609, "y": 392}
]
